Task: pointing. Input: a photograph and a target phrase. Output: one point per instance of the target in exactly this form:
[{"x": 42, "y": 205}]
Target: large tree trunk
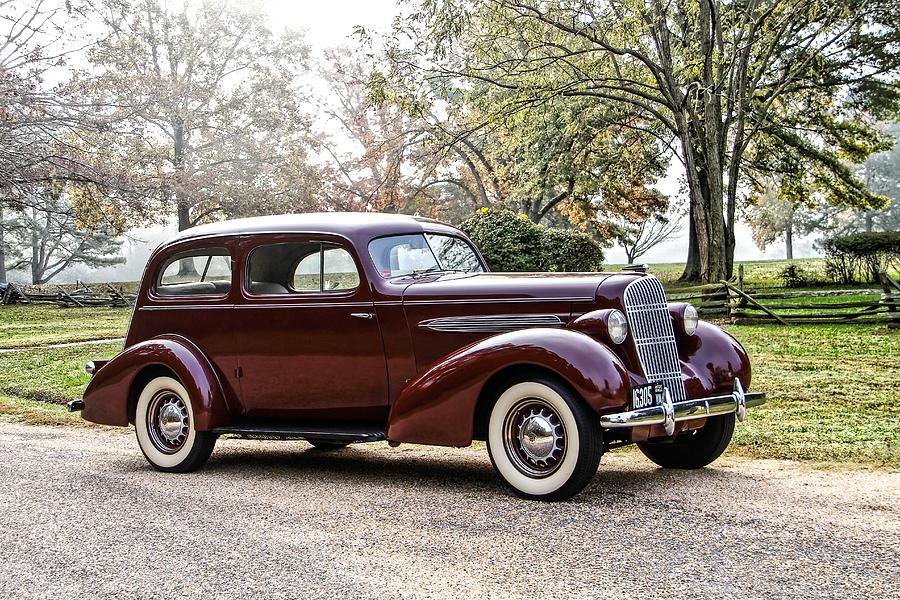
[
  {"x": 692, "y": 266},
  {"x": 183, "y": 206},
  {"x": 35, "y": 252},
  {"x": 704, "y": 176},
  {"x": 184, "y": 214},
  {"x": 2, "y": 249},
  {"x": 789, "y": 241},
  {"x": 182, "y": 202}
]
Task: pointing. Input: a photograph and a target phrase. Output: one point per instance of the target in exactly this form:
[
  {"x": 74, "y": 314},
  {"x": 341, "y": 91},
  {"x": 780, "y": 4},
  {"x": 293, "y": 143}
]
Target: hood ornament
[{"x": 641, "y": 268}]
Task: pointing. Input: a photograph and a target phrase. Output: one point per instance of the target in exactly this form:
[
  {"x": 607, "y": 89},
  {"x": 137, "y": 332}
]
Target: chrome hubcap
[
  {"x": 168, "y": 422},
  {"x": 537, "y": 437},
  {"x": 534, "y": 437}
]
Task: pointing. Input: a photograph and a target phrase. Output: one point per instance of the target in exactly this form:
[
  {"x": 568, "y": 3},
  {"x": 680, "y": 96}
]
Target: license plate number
[{"x": 645, "y": 396}]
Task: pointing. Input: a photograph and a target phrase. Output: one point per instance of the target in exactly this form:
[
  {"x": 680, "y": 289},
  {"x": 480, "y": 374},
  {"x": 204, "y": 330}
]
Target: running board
[{"x": 320, "y": 433}]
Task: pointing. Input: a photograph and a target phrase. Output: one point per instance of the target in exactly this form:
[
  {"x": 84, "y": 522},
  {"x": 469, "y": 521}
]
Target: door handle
[{"x": 362, "y": 315}]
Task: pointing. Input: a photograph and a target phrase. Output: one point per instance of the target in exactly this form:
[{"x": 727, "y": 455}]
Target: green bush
[
  {"x": 511, "y": 242},
  {"x": 861, "y": 256},
  {"x": 568, "y": 250},
  {"x": 795, "y": 276}
]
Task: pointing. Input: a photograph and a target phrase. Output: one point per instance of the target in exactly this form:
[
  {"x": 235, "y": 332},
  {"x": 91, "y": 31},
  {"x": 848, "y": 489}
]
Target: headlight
[
  {"x": 690, "y": 319},
  {"x": 616, "y": 326}
]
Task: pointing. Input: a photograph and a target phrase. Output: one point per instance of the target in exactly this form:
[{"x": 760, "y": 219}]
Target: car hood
[{"x": 505, "y": 286}]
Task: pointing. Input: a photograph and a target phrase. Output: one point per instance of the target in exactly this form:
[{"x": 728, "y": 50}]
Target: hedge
[
  {"x": 861, "y": 256},
  {"x": 511, "y": 242}
]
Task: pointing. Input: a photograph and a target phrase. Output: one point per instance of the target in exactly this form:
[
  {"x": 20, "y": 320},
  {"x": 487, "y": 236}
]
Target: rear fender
[
  {"x": 438, "y": 406},
  {"x": 107, "y": 394}
]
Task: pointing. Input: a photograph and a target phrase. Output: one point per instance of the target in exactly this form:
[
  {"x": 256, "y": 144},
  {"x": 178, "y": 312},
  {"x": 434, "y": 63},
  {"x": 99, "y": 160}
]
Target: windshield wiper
[{"x": 435, "y": 270}]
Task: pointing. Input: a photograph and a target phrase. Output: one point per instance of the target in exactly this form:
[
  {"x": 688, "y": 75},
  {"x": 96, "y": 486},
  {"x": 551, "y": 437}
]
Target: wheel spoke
[
  {"x": 534, "y": 437},
  {"x": 168, "y": 422}
]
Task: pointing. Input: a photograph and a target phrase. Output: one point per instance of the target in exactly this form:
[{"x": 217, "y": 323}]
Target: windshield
[{"x": 399, "y": 255}]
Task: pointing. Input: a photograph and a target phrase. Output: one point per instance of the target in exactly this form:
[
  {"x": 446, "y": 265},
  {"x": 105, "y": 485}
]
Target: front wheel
[
  {"x": 164, "y": 424},
  {"x": 543, "y": 440},
  {"x": 694, "y": 449}
]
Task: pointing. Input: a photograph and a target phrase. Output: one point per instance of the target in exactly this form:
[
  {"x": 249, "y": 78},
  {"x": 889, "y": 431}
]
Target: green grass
[
  {"x": 832, "y": 390},
  {"x": 832, "y": 394},
  {"x": 35, "y": 384},
  {"x": 37, "y": 325}
]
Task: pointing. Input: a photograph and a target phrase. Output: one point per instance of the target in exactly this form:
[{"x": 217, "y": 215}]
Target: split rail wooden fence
[
  {"x": 80, "y": 295},
  {"x": 733, "y": 302}
]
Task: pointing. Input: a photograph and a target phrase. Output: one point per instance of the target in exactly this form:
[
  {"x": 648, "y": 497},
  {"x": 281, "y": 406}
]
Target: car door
[{"x": 310, "y": 344}]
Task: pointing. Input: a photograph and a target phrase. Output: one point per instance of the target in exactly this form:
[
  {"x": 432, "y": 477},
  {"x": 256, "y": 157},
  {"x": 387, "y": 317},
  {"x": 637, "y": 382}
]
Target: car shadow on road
[{"x": 463, "y": 471}]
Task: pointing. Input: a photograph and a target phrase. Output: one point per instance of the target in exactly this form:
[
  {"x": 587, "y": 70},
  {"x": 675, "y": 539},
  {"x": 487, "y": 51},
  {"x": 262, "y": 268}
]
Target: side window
[
  {"x": 307, "y": 275},
  {"x": 338, "y": 270},
  {"x": 301, "y": 267},
  {"x": 205, "y": 272}
]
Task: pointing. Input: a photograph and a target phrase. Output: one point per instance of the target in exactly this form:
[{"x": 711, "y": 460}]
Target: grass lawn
[
  {"x": 34, "y": 384},
  {"x": 833, "y": 390},
  {"x": 23, "y": 325},
  {"x": 832, "y": 393}
]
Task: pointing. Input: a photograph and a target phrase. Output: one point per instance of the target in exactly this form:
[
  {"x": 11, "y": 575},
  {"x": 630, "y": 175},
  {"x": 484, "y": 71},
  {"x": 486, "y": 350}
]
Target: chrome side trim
[
  {"x": 496, "y": 300},
  {"x": 490, "y": 323},
  {"x": 669, "y": 413}
]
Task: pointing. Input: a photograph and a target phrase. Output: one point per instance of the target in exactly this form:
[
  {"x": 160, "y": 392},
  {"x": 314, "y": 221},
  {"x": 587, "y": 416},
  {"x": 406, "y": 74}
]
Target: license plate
[{"x": 645, "y": 396}]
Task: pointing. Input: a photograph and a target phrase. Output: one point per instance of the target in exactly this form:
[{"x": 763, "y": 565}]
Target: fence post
[{"x": 890, "y": 298}]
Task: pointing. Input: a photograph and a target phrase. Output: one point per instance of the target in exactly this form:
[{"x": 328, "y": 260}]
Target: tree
[
  {"x": 744, "y": 89},
  {"x": 46, "y": 238},
  {"x": 782, "y": 212},
  {"x": 35, "y": 37},
  {"x": 202, "y": 107},
  {"x": 637, "y": 237},
  {"x": 563, "y": 159},
  {"x": 882, "y": 175},
  {"x": 588, "y": 162},
  {"x": 382, "y": 160}
]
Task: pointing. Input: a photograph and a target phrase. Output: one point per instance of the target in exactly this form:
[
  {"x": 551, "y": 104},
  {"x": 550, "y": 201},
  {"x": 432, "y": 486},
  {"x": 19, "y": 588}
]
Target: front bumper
[{"x": 668, "y": 413}]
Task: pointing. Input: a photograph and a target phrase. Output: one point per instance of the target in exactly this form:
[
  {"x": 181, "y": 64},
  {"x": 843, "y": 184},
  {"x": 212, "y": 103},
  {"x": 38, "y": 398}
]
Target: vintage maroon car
[{"x": 345, "y": 328}]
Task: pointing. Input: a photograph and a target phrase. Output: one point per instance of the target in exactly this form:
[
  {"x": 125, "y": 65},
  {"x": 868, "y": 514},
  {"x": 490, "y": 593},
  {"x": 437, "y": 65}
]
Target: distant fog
[{"x": 137, "y": 246}]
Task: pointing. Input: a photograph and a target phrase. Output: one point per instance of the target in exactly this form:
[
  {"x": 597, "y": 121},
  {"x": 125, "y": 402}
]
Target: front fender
[
  {"x": 106, "y": 396},
  {"x": 438, "y": 406},
  {"x": 711, "y": 360}
]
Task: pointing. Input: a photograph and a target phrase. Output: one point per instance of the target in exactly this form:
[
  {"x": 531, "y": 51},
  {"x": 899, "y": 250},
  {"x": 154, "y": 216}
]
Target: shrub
[
  {"x": 861, "y": 256},
  {"x": 794, "y": 276},
  {"x": 567, "y": 250},
  {"x": 508, "y": 241},
  {"x": 511, "y": 242}
]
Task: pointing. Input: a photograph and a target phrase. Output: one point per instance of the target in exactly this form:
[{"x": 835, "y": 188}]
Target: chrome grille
[{"x": 650, "y": 325}]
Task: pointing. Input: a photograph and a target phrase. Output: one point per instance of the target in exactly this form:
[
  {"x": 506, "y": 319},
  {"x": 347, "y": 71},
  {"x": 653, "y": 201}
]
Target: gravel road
[{"x": 82, "y": 515}]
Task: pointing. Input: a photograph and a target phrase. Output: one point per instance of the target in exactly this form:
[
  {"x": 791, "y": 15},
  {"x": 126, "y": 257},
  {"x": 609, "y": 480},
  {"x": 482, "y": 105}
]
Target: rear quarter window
[{"x": 204, "y": 272}]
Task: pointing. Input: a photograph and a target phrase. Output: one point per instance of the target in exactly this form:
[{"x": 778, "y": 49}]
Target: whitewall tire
[
  {"x": 543, "y": 440},
  {"x": 164, "y": 424}
]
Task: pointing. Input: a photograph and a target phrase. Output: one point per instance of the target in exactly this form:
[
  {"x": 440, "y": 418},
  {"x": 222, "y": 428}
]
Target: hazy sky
[{"x": 331, "y": 23}]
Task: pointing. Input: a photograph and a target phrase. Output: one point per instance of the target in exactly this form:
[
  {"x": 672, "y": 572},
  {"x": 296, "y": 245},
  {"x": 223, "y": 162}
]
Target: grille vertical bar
[{"x": 646, "y": 308}]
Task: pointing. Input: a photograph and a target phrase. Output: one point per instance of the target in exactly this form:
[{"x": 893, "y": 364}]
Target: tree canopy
[
  {"x": 739, "y": 91},
  {"x": 202, "y": 105}
]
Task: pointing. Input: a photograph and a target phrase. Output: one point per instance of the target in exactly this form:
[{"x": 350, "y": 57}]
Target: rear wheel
[
  {"x": 543, "y": 440},
  {"x": 164, "y": 424},
  {"x": 694, "y": 449}
]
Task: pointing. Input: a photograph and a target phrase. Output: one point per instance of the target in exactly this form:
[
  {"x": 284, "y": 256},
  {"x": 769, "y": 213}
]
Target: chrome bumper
[{"x": 669, "y": 413}]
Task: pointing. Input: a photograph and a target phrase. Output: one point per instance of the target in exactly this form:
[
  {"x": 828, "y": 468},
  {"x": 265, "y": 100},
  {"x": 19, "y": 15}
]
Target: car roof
[{"x": 353, "y": 225}]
